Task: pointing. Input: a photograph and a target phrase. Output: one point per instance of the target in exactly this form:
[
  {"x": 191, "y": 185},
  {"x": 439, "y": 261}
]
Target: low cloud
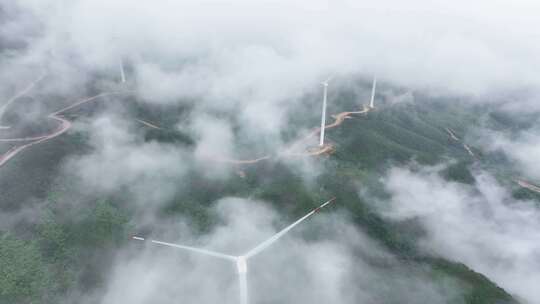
[
  {"x": 480, "y": 225},
  {"x": 335, "y": 267},
  {"x": 521, "y": 147},
  {"x": 244, "y": 66},
  {"x": 270, "y": 51},
  {"x": 119, "y": 158}
]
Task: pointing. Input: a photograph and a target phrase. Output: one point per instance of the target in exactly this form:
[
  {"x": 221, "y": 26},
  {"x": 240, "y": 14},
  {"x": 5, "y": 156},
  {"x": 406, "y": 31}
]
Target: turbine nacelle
[
  {"x": 324, "y": 205},
  {"x": 327, "y": 80},
  {"x": 241, "y": 264}
]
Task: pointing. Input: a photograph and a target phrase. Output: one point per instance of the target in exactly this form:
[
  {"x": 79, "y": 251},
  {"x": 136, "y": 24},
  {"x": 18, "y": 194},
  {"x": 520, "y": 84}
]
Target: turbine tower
[
  {"x": 373, "y": 88},
  {"x": 122, "y": 73},
  {"x": 323, "y": 118},
  {"x": 241, "y": 261}
]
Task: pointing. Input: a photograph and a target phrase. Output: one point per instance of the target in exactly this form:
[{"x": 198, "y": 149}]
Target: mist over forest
[{"x": 153, "y": 152}]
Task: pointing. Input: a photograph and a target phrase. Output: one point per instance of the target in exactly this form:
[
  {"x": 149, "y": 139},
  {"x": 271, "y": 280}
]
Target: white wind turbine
[
  {"x": 241, "y": 260},
  {"x": 122, "y": 73},
  {"x": 373, "y": 88},
  {"x": 114, "y": 40},
  {"x": 323, "y": 118}
]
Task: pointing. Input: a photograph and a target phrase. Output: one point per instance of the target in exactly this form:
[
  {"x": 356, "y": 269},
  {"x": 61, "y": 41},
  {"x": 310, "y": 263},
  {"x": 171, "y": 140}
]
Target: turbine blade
[
  {"x": 242, "y": 280},
  {"x": 278, "y": 235},
  {"x": 188, "y": 248}
]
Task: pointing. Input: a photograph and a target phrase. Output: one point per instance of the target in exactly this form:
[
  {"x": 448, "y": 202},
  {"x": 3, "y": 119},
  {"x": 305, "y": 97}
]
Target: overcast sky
[{"x": 227, "y": 47}]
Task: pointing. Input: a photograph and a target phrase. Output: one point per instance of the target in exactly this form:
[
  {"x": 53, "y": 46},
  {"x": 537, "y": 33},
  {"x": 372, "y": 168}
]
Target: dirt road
[
  {"x": 452, "y": 134},
  {"x": 290, "y": 151},
  {"x": 22, "y": 139},
  {"x": 237, "y": 161},
  {"x": 63, "y": 127},
  {"x": 527, "y": 185},
  {"x": 148, "y": 124},
  {"x": 468, "y": 150},
  {"x": 338, "y": 120}
]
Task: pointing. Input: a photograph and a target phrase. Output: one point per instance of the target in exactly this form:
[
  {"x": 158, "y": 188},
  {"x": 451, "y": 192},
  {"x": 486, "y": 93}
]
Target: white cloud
[
  {"x": 521, "y": 147},
  {"x": 245, "y": 48},
  {"x": 481, "y": 225},
  {"x": 327, "y": 270},
  {"x": 122, "y": 160}
]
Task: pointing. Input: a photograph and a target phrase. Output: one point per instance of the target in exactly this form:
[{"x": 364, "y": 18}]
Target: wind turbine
[
  {"x": 114, "y": 40},
  {"x": 373, "y": 88},
  {"x": 323, "y": 118},
  {"x": 241, "y": 260},
  {"x": 122, "y": 73}
]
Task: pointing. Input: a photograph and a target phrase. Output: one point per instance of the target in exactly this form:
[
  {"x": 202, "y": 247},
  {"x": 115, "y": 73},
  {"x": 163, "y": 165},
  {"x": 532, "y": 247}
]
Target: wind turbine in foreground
[
  {"x": 323, "y": 118},
  {"x": 373, "y": 88},
  {"x": 241, "y": 261}
]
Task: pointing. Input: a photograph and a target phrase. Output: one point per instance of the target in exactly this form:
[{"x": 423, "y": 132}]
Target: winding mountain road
[
  {"x": 63, "y": 127},
  {"x": 452, "y": 135},
  {"x": 289, "y": 152},
  {"x": 522, "y": 183},
  {"x": 22, "y": 139},
  {"x": 528, "y": 185},
  {"x": 468, "y": 149},
  {"x": 238, "y": 161},
  {"x": 148, "y": 124}
]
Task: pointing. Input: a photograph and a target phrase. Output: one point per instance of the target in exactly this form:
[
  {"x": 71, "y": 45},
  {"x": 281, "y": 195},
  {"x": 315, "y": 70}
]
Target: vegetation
[
  {"x": 61, "y": 254},
  {"x": 41, "y": 262},
  {"x": 22, "y": 270}
]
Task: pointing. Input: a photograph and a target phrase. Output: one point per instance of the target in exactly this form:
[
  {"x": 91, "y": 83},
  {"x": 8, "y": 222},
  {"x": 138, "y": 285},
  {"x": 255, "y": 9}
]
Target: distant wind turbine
[
  {"x": 122, "y": 73},
  {"x": 323, "y": 117},
  {"x": 373, "y": 88},
  {"x": 241, "y": 261},
  {"x": 25, "y": 91}
]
